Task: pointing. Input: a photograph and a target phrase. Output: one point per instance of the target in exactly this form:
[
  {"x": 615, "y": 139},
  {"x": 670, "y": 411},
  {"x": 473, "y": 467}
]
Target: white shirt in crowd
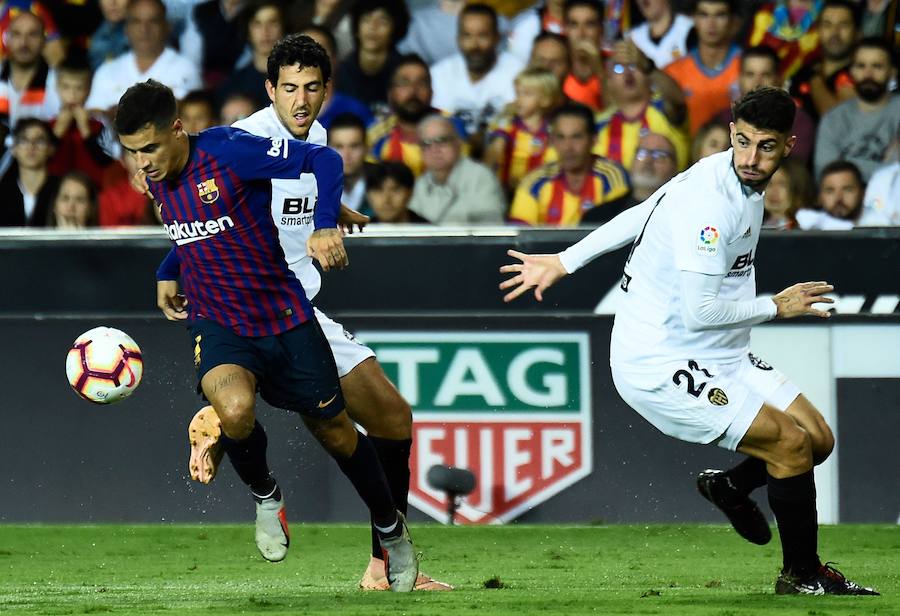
[
  {"x": 117, "y": 75},
  {"x": 881, "y": 205},
  {"x": 475, "y": 103},
  {"x": 820, "y": 220},
  {"x": 44, "y": 108},
  {"x": 293, "y": 201},
  {"x": 671, "y": 46}
]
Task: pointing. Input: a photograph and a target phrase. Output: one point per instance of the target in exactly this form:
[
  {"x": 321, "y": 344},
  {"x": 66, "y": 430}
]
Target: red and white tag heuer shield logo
[{"x": 512, "y": 407}]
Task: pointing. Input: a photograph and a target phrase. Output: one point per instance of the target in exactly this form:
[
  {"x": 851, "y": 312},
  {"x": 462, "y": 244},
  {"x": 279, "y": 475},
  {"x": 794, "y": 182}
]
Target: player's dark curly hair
[
  {"x": 766, "y": 108},
  {"x": 298, "y": 49},
  {"x": 145, "y": 103}
]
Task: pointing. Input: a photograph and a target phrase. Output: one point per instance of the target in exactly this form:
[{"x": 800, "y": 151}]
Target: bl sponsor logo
[{"x": 513, "y": 407}]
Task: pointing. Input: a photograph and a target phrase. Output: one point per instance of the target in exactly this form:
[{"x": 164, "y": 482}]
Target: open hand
[
  {"x": 538, "y": 272},
  {"x": 798, "y": 300}
]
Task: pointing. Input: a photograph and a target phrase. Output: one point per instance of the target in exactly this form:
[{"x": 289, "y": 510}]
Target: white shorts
[
  {"x": 705, "y": 403},
  {"x": 348, "y": 351}
]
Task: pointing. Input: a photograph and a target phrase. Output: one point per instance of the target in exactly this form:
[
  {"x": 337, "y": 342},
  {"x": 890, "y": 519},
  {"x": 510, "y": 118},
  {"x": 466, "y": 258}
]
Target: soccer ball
[{"x": 104, "y": 365}]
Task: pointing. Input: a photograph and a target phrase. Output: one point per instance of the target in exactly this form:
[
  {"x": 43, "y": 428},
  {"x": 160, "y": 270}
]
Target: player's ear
[
  {"x": 732, "y": 131},
  {"x": 177, "y": 127},
  {"x": 270, "y": 90},
  {"x": 789, "y": 145}
]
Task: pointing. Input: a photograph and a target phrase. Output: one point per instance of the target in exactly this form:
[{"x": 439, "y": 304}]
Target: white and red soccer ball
[{"x": 104, "y": 365}]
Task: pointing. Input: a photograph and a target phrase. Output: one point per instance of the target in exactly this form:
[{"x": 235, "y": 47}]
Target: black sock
[
  {"x": 748, "y": 475},
  {"x": 248, "y": 457},
  {"x": 394, "y": 457},
  {"x": 793, "y": 501},
  {"x": 365, "y": 473}
]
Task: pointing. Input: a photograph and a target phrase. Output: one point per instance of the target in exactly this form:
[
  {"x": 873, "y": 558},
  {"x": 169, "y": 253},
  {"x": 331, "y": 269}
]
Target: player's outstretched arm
[
  {"x": 798, "y": 300},
  {"x": 538, "y": 272},
  {"x": 172, "y": 303},
  {"x": 327, "y": 247}
]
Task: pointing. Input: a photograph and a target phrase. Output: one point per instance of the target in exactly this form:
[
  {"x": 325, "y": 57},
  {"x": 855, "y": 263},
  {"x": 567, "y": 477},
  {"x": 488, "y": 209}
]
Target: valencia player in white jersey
[
  {"x": 680, "y": 351},
  {"x": 297, "y": 93}
]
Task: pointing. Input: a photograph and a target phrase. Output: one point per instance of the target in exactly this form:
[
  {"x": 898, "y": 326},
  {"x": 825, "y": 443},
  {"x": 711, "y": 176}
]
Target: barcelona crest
[{"x": 208, "y": 191}]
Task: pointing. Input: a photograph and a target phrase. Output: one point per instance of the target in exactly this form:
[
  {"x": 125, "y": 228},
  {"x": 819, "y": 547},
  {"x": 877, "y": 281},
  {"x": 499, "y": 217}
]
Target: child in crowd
[
  {"x": 789, "y": 190},
  {"x": 197, "y": 111},
  {"x": 84, "y": 142},
  {"x": 389, "y": 187},
  {"x": 75, "y": 203},
  {"x": 519, "y": 140}
]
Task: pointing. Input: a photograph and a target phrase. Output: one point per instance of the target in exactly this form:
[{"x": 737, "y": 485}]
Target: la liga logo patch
[{"x": 709, "y": 238}]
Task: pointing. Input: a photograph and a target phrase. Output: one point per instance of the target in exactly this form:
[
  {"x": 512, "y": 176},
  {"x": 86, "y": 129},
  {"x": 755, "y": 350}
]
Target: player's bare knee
[
  {"x": 822, "y": 445},
  {"x": 394, "y": 422},
  {"x": 237, "y": 415},
  {"x": 794, "y": 449}
]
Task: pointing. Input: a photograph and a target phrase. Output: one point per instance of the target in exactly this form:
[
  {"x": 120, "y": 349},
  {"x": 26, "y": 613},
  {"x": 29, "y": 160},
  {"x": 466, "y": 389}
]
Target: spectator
[
  {"x": 214, "y": 38},
  {"x": 197, "y": 111},
  {"x": 551, "y": 51},
  {"x": 635, "y": 109},
  {"x": 109, "y": 39},
  {"x": 874, "y": 18},
  {"x": 663, "y": 37},
  {"x": 84, "y": 142},
  {"x": 331, "y": 15},
  {"x": 548, "y": 16},
  {"x": 519, "y": 141},
  {"x": 336, "y": 103},
  {"x": 389, "y": 188},
  {"x": 409, "y": 95},
  {"x": 708, "y": 75},
  {"x": 27, "y": 83},
  {"x": 759, "y": 67},
  {"x": 655, "y": 163},
  {"x": 881, "y": 204},
  {"x": 840, "y": 199},
  {"x": 454, "y": 190},
  {"x": 862, "y": 129},
  {"x": 714, "y": 136},
  {"x": 149, "y": 58},
  {"x": 584, "y": 29},
  {"x": 432, "y": 30},
  {"x": 560, "y": 193},
  {"x": 265, "y": 25},
  {"x": 236, "y": 107},
  {"x": 825, "y": 82},
  {"x": 378, "y": 25},
  {"x": 477, "y": 83},
  {"x": 75, "y": 203},
  {"x": 120, "y": 205},
  {"x": 53, "y": 48},
  {"x": 347, "y": 135},
  {"x": 788, "y": 27},
  {"x": 789, "y": 190},
  {"x": 27, "y": 188}
]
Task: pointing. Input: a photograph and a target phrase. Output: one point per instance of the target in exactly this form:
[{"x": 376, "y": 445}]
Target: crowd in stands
[{"x": 555, "y": 113}]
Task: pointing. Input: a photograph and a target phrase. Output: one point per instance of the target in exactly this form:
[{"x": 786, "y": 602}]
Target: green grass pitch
[{"x": 521, "y": 570}]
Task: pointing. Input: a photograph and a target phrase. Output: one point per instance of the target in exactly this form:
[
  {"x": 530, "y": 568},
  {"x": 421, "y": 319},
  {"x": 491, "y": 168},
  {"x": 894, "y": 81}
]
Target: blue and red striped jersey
[{"x": 218, "y": 214}]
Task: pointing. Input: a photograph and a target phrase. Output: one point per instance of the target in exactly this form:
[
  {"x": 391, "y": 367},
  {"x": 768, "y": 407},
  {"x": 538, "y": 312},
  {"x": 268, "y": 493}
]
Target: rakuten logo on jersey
[{"x": 186, "y": 232}]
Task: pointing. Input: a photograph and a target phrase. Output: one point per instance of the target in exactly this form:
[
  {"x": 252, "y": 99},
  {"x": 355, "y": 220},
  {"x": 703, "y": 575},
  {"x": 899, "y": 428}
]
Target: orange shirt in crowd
[
  {"x": 706, "y": 90},
  {"x": 588, "y": 92}
]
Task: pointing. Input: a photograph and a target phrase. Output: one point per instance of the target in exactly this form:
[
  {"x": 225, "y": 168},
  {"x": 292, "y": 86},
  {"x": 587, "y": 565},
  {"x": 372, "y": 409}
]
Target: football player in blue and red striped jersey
[{"x": 251, "y": 323}]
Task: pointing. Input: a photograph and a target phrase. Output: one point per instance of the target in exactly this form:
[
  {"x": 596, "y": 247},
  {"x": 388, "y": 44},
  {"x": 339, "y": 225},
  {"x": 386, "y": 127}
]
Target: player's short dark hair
[
  {"x": 766, "y": 108},
  {"x": 395, "y": 8},
  {"x": 594, "y": 5},
  {"x": 24, "y": 124},
  {"x": 853, "y": 7},
  {"x": 479, "y": 8},
  {"x": 75, "y": 63},
  {"x": 149, "y": 102},
  {"x": 377, "y": 174},
  {"x": 348, "y": 120},
  {"x": 761, "y": 51},
  {"x": 875, "y": 42},
  {"x": 841, "y": 166},
  {"x": 576, "y": 110},
  {"x": 298, "y": 49},
  {"x": 731, "y": 4},
  {"x": 408, "y": 59}
]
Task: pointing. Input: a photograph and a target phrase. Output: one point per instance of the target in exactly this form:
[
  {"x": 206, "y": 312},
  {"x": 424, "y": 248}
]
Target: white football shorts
[
  {"x": 705, "y": 403},
  {"x": 348, "y": 351}
]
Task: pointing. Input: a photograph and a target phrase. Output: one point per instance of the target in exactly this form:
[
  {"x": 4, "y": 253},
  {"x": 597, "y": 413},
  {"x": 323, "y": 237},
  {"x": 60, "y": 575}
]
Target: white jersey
[
  {"x": 293, "y": 201},
  {"x": 702, "y": 221},
  {"x": 670, "y": 47}
]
